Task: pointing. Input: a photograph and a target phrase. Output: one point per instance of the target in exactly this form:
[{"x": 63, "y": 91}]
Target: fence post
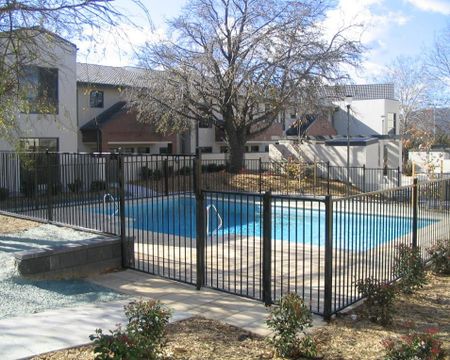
[
  {"x": 328, "y": 178},
  {"x": 200, "y": 240},
  {"x": 267, "y": 248},
  {"x": 328, "y": 291},
  {"x": 415, "y": 203},
  {"x": 197, "y": 174},
  {"x": 49, "y": 186},
  {"x": 364, "y": 178},
  {"x": 166, "y": 176},
  {"x": 260, "y": 174},
  {"x": 123, "y": 240},
  {"x": 399, "y": 177}
]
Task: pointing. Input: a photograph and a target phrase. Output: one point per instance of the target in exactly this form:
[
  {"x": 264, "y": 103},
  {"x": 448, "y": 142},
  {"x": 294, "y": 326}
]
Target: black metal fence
[
  {"x": 259, "y": 244},
  {"x": 300, "y": 178}
]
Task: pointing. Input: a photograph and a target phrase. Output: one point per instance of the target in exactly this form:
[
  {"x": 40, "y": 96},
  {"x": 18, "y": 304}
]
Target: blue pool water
[{"x": 176, "y": 216}]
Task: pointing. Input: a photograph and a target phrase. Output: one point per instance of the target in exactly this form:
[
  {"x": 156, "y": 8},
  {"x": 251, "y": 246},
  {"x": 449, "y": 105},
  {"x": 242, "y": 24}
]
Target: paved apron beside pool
[{"x": 51, "y": 330}]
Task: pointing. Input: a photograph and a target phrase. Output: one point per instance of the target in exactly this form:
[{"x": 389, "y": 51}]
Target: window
[
  {"x": 143, "y": 150},
  {"x": 204, "y": 124},
  {"x": 39, "y": 85},
  {"x": 391, "y": 123},
  {"x": 39, "y": 144},
  {"x": 266, "y": 148},
  {"x": 96, "y": 99},
  {"x": 224, "y": 149},
  {"x": 293, "y": 115},
  {"x": 205, "y": 149}
]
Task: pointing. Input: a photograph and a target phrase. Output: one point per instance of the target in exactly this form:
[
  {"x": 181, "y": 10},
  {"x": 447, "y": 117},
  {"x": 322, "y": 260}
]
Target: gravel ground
[{"x": 21, "y": 296}]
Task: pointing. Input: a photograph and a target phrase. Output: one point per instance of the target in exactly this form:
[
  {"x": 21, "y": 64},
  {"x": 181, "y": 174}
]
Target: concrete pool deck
[{"x": 25, "y": 336}]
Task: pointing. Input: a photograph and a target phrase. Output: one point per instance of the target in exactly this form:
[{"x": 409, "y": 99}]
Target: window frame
[
  {"x": 93, "y": 101},
  {"x": 44, "y": 79}
]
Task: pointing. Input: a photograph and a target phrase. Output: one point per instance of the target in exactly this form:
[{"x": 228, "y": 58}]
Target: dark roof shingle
[
  {"x": 110, "y": 75},
  {"x": 360, "y": 92}
]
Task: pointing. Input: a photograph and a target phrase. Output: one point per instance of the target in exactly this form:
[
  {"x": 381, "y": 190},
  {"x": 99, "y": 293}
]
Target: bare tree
[
  {"x": 438, "y": 61},
  {"x": 28, "y": 31},
  {"x": 237, "y": 64}
]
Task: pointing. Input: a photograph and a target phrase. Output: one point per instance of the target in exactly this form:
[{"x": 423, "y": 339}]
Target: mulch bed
[
  {"x": 344, "y": 338},
  {"x": 9, "y": 225}
]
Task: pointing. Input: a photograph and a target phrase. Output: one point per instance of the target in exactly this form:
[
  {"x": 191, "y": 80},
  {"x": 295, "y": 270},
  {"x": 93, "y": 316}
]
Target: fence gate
[{"x": 158, "y": 215}]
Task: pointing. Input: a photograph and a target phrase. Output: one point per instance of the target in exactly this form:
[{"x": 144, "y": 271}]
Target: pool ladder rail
[
  {"x": 111, "y": 197},
  {"x": 208, "y": 216}
]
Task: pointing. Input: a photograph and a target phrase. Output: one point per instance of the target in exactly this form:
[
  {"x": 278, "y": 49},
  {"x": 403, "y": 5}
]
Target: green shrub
[
  {"x": 289, "y": 317},
  {"x": 380, "y": 296},
  {"x": 185, "y": 170},
  {"x": 98, "y": 185},
  {"x": 76, "y": 186},
  {"x": 157, "y": 174},
  {"x": 414, "y": 346},
  {"x": 409, "y": 267},
  {"x": 407, "y": 168},
  {"x": 143, "y": 337},
  {"x": 4, "y": 193},
  {"x": 440, "y": 257},
  {"x": 55, "y": 188},
  {"x": 28, "y": 187}
]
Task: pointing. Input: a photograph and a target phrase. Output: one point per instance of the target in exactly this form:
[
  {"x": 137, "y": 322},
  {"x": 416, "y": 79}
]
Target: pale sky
[{"x": 392, "y": 28}]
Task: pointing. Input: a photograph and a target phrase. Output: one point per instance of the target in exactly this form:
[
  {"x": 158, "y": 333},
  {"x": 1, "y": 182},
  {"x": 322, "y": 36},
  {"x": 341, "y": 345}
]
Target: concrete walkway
[
  {"x": 25, "y": 336},
  {"x": 185, "y": 299}
]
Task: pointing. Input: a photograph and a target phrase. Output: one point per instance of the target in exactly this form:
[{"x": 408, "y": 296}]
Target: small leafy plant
[
  {"x": 288, "y": 319},
  {"x": 409, "y": 267},
  {"x": 143, "y": 337},
  {"x": 415, "y": 346},
  {"x": 76, "y": 186},
  {"x": 98, "y": 185},
  {"x": 4, "y": 193},
  {"x": 440, "y": 257},
  {"x": 380, "y": 298}
]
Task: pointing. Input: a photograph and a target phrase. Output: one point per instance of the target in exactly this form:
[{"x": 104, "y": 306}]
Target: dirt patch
[
  {"x": 9, "y": 224},
  {"x": 201, "y": 339}
]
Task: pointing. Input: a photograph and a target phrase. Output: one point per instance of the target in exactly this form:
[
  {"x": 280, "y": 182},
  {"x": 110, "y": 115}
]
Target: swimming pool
[{"x": 176, "y": 216}]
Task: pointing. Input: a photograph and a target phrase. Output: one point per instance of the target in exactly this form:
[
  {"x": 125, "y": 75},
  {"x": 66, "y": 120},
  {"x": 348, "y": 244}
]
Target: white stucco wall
[
  {"x": 367, "y": 117},
  {"x": 60, "y": 55}
]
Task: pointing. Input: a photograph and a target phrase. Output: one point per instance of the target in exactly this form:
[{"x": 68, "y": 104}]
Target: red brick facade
[{"x": 123, "y": 127}]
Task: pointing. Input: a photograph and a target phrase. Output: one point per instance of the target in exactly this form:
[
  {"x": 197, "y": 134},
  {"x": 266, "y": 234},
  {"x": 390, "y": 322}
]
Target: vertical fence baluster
[
  {"x": 415, "y": 204},
  {"x": 328, "y": 291},
  {"x": 267, "y": 248},
  {"x": 125, "y": 255}
]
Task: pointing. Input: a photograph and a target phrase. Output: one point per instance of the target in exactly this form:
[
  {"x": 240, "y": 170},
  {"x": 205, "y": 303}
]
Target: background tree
[
  {"x": 237, "y": 64},
  {"x": 25, "y": 28},
  {"x": 438, "y": 61},
  {"x": 414, "y": 89}
]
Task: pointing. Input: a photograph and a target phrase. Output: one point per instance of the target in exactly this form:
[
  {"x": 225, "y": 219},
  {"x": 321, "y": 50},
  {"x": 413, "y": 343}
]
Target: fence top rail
[
  {"x": 386, "y": 191},
  {"x": 96, "y": 154},
  {"x": 373, "y": 193},
  {"x": 275, "y": 197}
]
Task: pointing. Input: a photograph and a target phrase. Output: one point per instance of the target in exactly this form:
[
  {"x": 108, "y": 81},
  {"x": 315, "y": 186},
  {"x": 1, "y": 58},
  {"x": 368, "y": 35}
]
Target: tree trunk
[{"x": 237, "y": 152}]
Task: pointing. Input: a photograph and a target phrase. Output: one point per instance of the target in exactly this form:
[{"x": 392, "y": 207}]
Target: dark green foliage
[
  {"x": 143, "y": 337},
  {"x": 28, "y": 187},
  {"x": 409, "y": 267},
  {"x": 440, "y": 257},
  {"x": 76, "y": 186},
  {"x": 4, "y": 193},
  {"x": 186, "y": 170},
  {"x": 380, "y": 298},
  {"x": 289, "y": 317},
  {"x": 150, "y": 174},
  {"x": 98, "y": 185},
  {"x": 55, "y": 188}
]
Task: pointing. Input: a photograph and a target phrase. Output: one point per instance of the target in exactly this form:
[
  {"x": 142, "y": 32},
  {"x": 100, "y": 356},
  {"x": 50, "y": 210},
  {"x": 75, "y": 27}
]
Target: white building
[{"x": 50, "y": 81}]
